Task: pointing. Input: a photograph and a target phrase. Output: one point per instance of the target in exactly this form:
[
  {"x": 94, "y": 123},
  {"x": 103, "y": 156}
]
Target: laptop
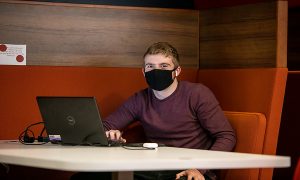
[{"x": 72, "y": 120}]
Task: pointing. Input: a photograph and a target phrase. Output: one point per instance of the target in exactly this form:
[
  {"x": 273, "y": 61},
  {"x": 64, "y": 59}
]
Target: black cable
[
  {"x": 34, "y": 124},
  {"x": 41, "y": 134},
  {"x": 137, "y": 148},
  {"x": 24, "y": 138},
  {"x": 23, "y": 134}
]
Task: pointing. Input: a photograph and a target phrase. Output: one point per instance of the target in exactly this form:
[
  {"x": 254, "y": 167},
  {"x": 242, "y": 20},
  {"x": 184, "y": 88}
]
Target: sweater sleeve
[
  {"x": 123, "y": 116},
  {"x": 212, "y": 119}
]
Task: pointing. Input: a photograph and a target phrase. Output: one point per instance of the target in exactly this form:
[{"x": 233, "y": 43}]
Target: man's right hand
[{"x": 115, "y": 135}]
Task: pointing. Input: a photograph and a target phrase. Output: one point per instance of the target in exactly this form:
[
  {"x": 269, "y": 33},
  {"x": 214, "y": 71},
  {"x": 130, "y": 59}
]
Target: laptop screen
[{"x": 72, "y": 120}]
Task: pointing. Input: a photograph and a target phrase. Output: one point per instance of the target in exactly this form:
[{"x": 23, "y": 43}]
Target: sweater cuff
[
  {"x": 208, "y": 174},
  {"x": 202, "y": 171}
]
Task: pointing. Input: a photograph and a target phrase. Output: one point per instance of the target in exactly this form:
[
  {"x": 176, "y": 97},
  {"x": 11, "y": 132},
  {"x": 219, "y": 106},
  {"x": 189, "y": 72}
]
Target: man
[{"x": 175, "y": 113}]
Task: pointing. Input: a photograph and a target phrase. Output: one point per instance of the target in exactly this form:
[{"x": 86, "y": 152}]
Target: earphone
[
  {"x": 150, "y": 145},
  {"x": 27, "y": 136}
]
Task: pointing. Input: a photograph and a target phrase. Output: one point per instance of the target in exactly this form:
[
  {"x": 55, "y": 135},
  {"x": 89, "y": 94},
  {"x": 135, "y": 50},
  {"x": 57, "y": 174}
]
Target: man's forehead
[{"x": 157, "y": 59}]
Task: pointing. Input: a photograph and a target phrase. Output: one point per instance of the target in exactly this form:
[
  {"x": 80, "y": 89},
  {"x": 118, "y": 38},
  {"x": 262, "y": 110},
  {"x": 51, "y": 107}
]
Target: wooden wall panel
[
  {"x": 95, "y": 35},
  {"x": 282, "y": 33},
  {"x": 208, "y": 4},
  {"x": 243, "y": 36}
]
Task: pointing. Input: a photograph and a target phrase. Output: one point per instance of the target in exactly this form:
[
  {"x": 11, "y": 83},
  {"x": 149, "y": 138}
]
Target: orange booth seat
[
  {"x": 251, "y": 90},
  {"x": 243, "y": 90},
  {"x": 250, "y": 131}
]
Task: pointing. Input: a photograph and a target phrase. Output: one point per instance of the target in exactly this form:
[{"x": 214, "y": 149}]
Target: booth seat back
[
  {"x": 251, "y": 90},
  {"x": 19, "y": 86},
  {"x": 250, "y": 131},
  {"x": 243, "y": 90}
]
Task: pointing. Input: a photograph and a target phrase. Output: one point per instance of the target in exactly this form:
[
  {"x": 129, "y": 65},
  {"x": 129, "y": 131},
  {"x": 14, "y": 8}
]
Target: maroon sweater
[{"x": 190, "y": 117}]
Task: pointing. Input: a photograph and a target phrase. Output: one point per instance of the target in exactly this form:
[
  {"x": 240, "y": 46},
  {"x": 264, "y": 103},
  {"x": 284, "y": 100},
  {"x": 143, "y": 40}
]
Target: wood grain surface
[
  {"x": 94, "y": 35},
  {"x": 243, "y": 36}
]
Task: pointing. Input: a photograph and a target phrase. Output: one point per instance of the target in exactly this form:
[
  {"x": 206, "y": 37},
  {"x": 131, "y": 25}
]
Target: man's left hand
[{"x": 191, "y": 174}]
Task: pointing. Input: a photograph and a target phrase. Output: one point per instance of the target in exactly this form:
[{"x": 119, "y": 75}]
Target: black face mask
[{"x": 159, "y": 79}]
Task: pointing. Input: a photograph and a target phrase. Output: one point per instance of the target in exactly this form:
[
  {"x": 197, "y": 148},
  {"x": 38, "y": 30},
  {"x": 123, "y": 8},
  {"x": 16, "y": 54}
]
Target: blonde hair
[{"x": 165, "y": 49}]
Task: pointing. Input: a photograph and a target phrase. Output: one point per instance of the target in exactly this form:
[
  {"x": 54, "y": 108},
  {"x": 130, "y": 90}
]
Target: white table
[{"x": 86, "y": 158}]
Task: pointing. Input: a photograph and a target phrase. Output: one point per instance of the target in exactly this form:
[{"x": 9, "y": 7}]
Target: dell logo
[{"x": 71, "y": 120}]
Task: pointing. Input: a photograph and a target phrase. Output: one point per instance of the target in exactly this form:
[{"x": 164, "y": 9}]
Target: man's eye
[
  {"x": 164, "y": 66},
  {"x": 148, "y": 66}
]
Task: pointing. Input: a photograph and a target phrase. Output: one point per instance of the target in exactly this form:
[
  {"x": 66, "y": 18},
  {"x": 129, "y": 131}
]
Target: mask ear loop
[{"x": 175, "y": 69}]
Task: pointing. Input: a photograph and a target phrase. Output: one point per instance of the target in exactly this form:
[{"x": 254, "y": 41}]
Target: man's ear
[
  {"x": 143, "y": 70},
  {"x": 177, "y": 71}
]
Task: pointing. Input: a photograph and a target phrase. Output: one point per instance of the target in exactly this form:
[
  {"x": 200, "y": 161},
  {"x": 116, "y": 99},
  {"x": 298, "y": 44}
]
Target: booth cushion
[
  {"x": 250, "y": 130},
  {"x": 19, "y": 86}
]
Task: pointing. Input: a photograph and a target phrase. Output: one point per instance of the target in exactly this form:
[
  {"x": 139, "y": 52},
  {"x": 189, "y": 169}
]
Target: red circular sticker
[
  {"x": 3, "y": 47},
  {"x": 20, "y": 58}
]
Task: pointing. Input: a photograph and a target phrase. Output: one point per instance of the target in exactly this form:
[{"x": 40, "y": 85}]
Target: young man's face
[{"x": 158, "y": 61}]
